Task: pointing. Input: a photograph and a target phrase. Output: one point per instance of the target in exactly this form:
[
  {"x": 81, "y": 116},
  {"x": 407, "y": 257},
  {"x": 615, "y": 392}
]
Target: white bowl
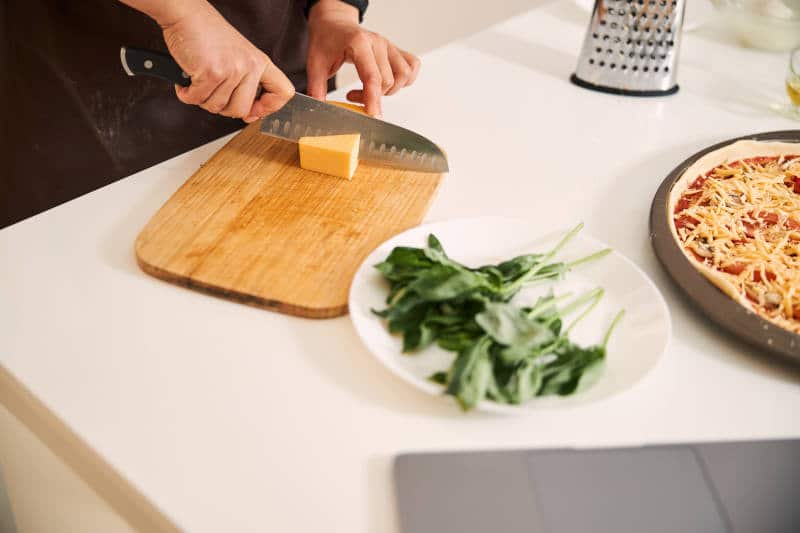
[{"x": 772, "y": 25}]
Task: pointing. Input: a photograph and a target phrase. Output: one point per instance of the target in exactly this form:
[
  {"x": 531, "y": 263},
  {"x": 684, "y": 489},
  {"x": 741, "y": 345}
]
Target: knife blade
[{"x": 381, "y": 142}]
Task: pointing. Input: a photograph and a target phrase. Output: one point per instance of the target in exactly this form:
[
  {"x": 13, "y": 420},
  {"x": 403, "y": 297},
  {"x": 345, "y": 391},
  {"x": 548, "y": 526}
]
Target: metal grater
[{"x": 631, "y": 47}]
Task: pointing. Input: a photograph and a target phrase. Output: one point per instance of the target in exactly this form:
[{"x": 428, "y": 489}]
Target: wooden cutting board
[{"x": 254, "y": 227}]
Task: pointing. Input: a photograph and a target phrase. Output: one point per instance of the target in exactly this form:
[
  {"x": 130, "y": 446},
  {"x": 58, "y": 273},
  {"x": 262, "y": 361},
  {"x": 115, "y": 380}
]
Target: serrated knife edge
[{"x": 381, "y": 142}]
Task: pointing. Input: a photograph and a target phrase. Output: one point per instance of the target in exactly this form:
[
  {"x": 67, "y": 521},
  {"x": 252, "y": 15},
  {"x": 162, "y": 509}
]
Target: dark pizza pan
[{"x": 714, "y": 303}]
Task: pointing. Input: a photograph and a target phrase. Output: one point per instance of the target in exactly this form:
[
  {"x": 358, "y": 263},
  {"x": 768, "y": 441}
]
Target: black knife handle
[{"x": 136, "y": 61}]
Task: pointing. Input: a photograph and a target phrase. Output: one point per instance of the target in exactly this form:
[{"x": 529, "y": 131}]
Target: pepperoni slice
[
  {"x": 793, "y": 182},
  {"x": 769, "y": 218},
  {"x": 735, "y": 268},
  {"x": 738, "y": 268},
  {"x": 757, "y": 276},
  {"x": 686, "y": 221},
  {"x": 686, "y": 201}
]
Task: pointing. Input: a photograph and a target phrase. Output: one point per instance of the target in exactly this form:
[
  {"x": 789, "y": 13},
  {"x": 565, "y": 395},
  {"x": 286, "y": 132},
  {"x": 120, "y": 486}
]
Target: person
[{"x": 74, "y": 121}]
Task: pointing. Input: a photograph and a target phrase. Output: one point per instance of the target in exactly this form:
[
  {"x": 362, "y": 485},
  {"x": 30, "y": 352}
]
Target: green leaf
[
  {"x": 439, "y": 377},
  {"x": 404, "y": 263},
  {"x": 505, "y": 353},
  {"x": 525, "y": 382},
  {"x": 446, "y": 283},
  {"x": 516, "y": 267},
  {"x": 457, "y": 340},
  {"x": 508, "y": 325},
  {"x": 470, "y": 374},
  {"x": 435, "y": 252},
  {"x": 494, "y": 391},
  {"x": 563, "y": 376}
]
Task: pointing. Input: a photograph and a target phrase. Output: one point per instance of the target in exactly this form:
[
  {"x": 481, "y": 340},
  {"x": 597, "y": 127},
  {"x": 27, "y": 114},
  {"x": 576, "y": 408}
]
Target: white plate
[
  {"x": 636, "y": 344},
  {"x": 697, "y": 12}
]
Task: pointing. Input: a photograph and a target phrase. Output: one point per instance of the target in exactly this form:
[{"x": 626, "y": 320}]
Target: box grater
[{"x": 631, "y": 47}]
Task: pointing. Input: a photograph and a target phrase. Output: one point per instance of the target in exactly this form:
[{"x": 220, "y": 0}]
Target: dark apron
[{"x": 73, "y": 121}]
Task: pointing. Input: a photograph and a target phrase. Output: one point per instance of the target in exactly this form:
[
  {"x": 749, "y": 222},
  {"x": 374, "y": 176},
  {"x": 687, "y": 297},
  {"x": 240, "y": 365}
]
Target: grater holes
[
  {"x": 602, "y": 63},
  {"x": 624, "y": 67},
  {"x": 591, "y": 61},
  {"x": 646, "y": 68},
  {"x": 595, "y": 36},
  {"x": 609, "y": 51},
  {"x": 635, "y": 68},
  {"x": 666, "y": 69},
  {"x": 612, "y": 66},
  {"x": 598, "y": 50},
  {"x": 655, "y": 69}
]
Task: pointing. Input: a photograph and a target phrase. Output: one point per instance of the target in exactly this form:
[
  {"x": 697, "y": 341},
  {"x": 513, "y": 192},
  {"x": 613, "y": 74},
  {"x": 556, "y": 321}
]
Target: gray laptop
[{"x": 699, "y": 488}]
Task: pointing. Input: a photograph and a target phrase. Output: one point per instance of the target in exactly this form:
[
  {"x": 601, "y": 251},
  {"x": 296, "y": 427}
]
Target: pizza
[{"x": 735, "y": 213}]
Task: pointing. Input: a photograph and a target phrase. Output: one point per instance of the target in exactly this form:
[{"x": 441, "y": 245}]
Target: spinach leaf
[
  {"x": 505, "y": 353},
  {"x": 470, "y": 374},
  {"x": 508, "y": 325}
]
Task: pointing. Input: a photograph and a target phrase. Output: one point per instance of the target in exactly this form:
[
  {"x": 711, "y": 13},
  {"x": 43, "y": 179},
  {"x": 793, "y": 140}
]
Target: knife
[{"x": 302, "y": 116}]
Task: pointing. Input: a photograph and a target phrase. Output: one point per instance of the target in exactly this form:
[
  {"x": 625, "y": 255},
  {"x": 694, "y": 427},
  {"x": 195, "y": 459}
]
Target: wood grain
[{"x": 254, "y": 227}]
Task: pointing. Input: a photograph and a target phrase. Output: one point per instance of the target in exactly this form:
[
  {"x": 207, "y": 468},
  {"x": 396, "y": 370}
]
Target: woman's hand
[
  {"x": 335, "y": 37},
  {"x": 226, "y": 69}
]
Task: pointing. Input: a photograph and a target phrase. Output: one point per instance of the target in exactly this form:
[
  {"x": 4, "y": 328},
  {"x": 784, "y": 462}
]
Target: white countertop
[{"x": 231, "y": 418}]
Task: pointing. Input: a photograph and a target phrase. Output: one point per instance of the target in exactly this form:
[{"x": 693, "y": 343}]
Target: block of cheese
[
  {"x": 350, "y": 107},
  {"x": 336, "y": 155}
]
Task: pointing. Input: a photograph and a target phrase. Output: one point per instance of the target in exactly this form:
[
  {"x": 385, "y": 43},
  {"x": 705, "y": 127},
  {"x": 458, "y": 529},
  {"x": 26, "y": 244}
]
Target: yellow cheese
[
  {"x": 351, "y": 107},
  {"x": 331, "y": 154}
]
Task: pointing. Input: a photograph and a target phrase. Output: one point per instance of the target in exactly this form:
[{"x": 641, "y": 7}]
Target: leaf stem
[
  {"x": 580, "y": 301},
  {"x": 597, "y": 295},
  {"x": 538, "y": 309},
  {"x": 613, "y": 325},
  {"x": 588, "y": 258},
  {"x": 544, "y": 260}
]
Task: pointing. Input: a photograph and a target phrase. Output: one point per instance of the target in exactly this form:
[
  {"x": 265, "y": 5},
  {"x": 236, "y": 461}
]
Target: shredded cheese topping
[{"x": 743, "y": 219}]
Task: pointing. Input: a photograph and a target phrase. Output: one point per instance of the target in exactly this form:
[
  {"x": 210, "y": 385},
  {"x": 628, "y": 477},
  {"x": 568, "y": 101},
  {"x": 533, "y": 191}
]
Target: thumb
[{"x": 317, "y": 69}]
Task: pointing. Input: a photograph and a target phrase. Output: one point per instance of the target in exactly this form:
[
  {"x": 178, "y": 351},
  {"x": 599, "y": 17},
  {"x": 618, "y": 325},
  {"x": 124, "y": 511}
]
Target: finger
[
  {"x": 381, "y": 51},
  {"x": 415, "y": 64},
  {"x": 200, "y": 90},
  {"x": 278, "y": 91},
  {"x": 364, "y": 59},
  {"x": 317, "y": 68},
  {"x": 401, "y": 70},
  {"x": 221, "y": 96},
  {"x": 242, "y": 97}
]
